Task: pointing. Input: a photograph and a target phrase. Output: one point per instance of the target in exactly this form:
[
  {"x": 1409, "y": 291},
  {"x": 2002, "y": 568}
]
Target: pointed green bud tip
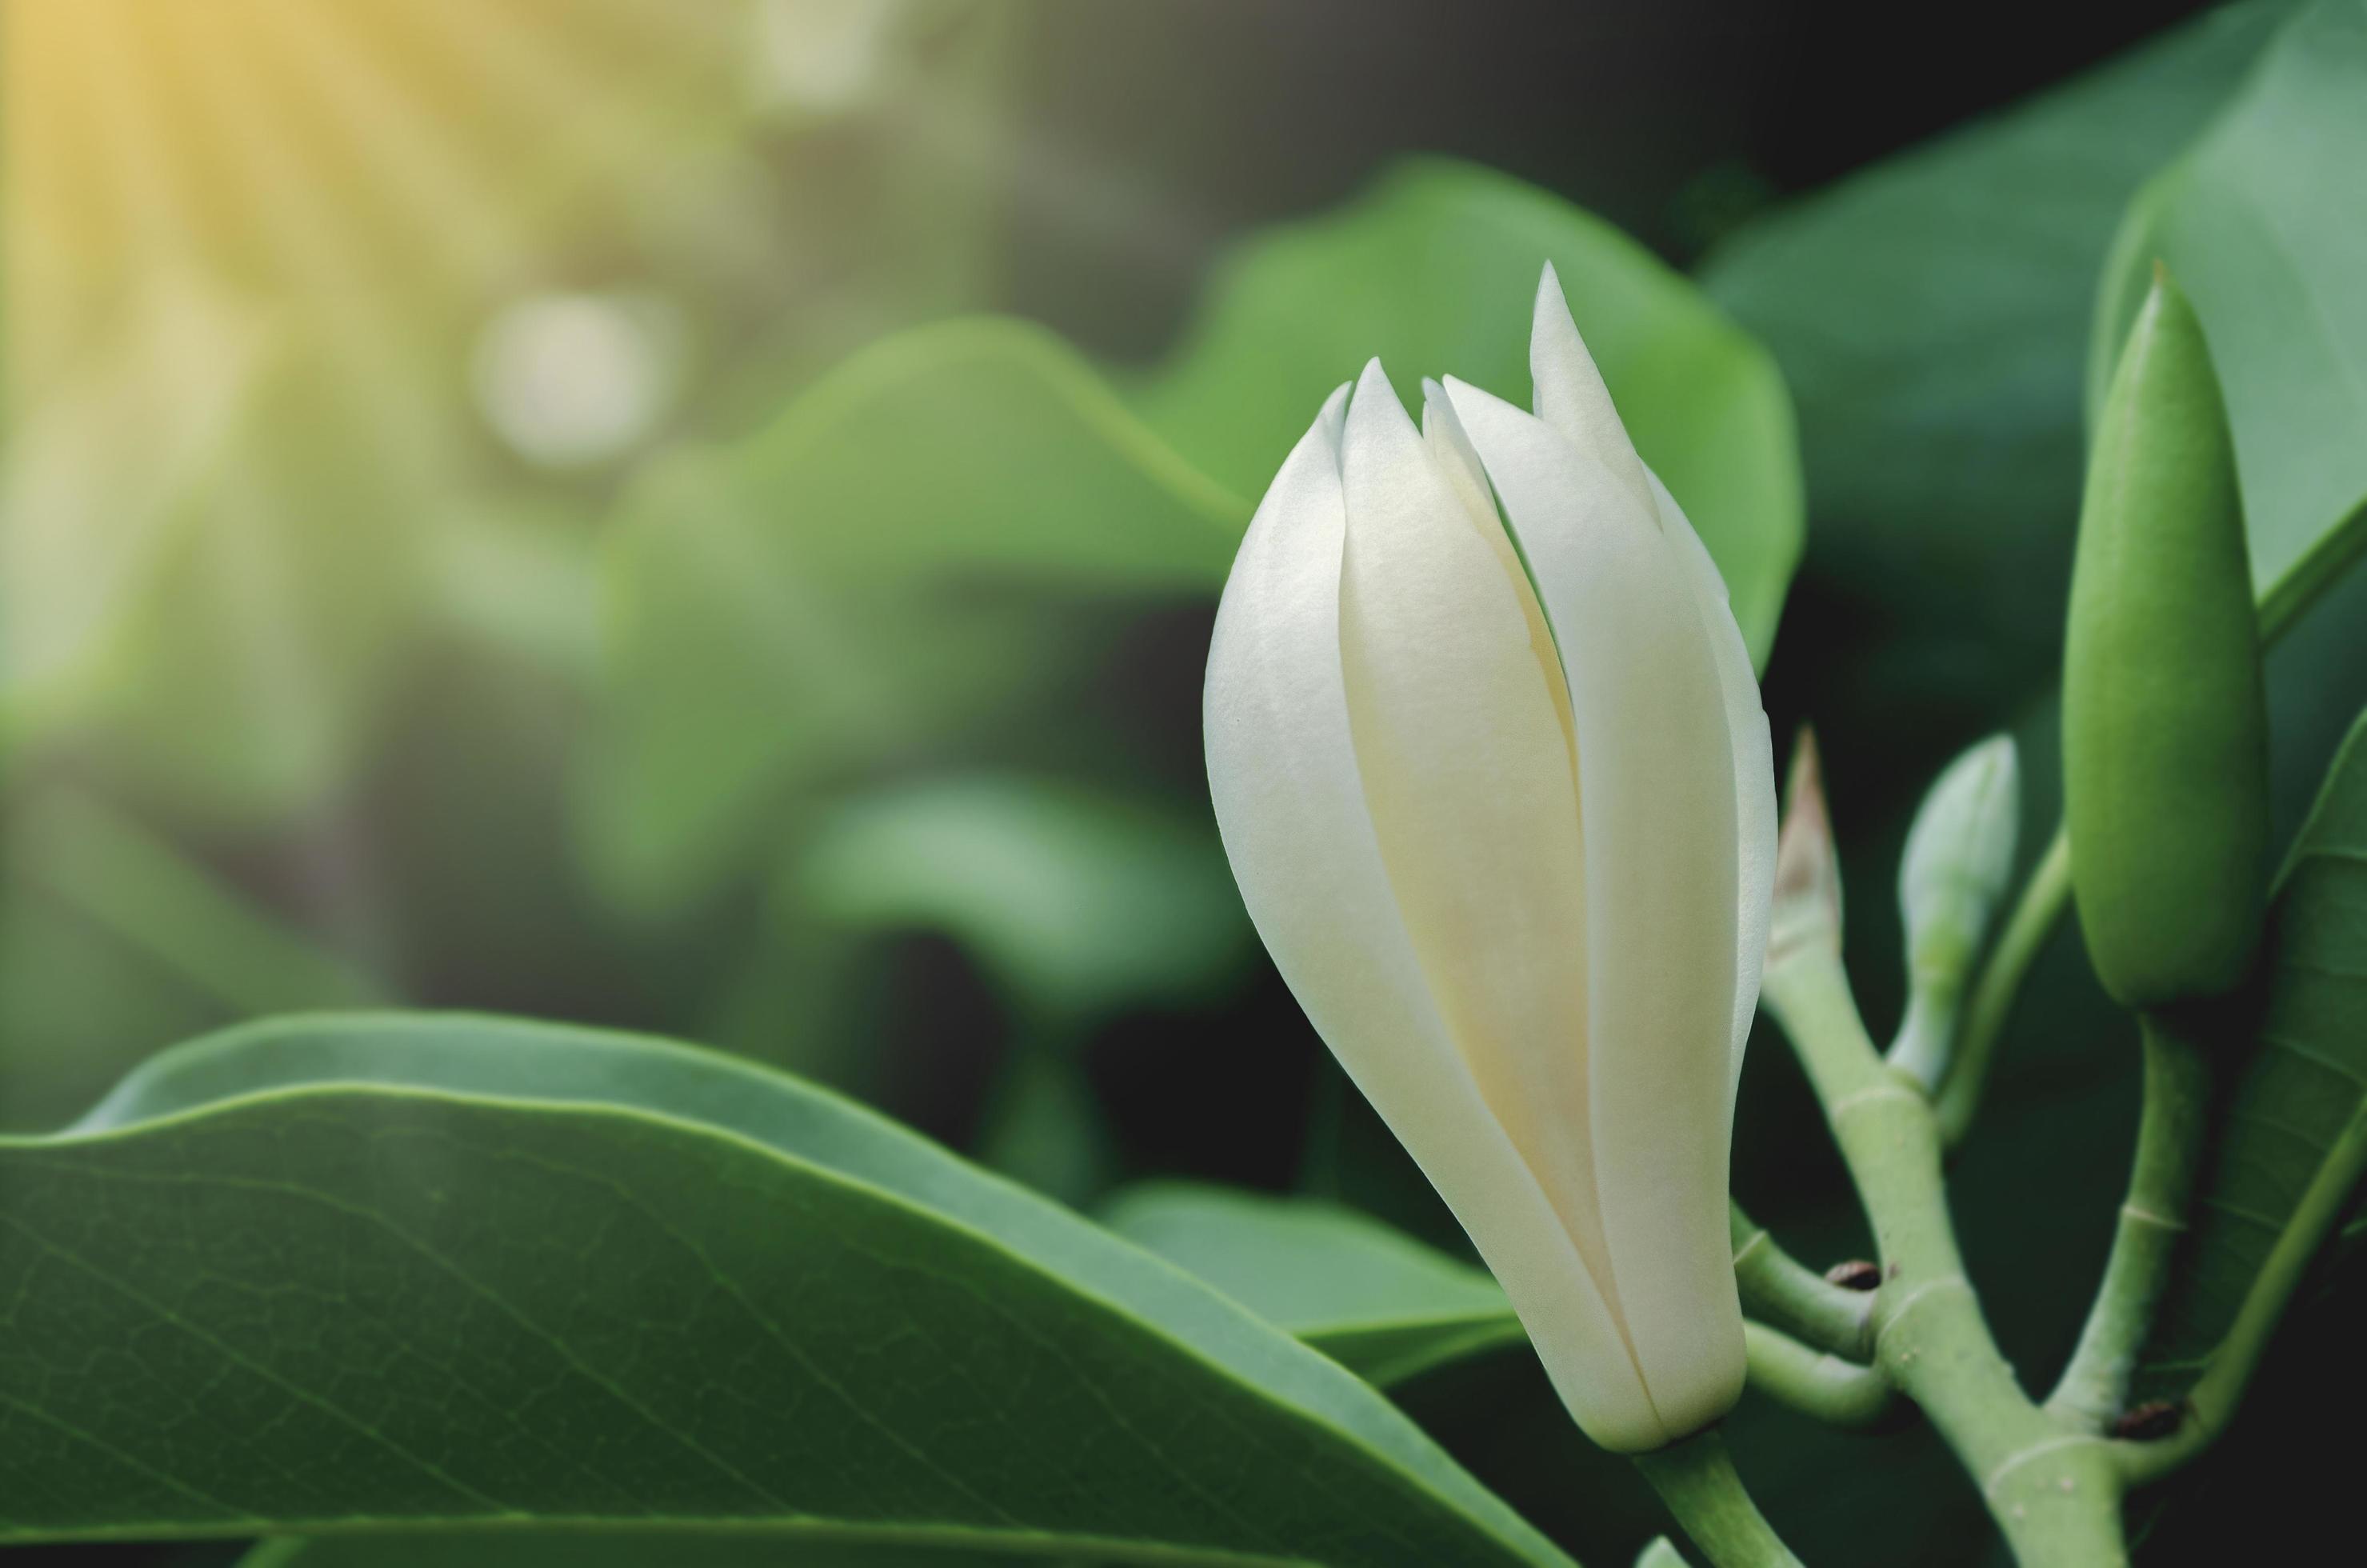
[
  {"x": 1658, "y": 1554},
  {"x": 2165, "y": 730},
  {"x": 1806, "y": 915},
  {"x": 1959, "y": 857}
]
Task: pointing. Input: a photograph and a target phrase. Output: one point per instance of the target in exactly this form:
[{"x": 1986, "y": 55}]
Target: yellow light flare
[
  {"x": 243, "y": 244},
  {"x": 396, "y": 153},
  {"x": 250, "y": 251}
]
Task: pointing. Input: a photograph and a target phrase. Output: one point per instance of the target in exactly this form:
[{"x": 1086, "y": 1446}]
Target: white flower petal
[
  {"x": 1754, "y": 761},
  {"x": 1442, "y": 432},
  {"x": 1290, "y": 801},
  {"x": 1453, "y": 705},
  {"x": 1450, "y": 449},
  {"x": 1571, "y": 394},
  {"x": 1657, "y": 775}
]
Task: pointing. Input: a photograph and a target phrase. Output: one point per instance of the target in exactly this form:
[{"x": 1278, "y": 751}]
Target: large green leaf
[
  {"x": 1372, "y": 1299},
  {"x": 2265, "y": 224},
  {"x": 1931, "y": 315},
  {"x": 2291, "y": 1096},
  {"x": 609, "y": 1549},
  {"x": 402, "y": 1270},
  {"x": 1435, "y": 271},
  {"x": 913, "y": 545}
]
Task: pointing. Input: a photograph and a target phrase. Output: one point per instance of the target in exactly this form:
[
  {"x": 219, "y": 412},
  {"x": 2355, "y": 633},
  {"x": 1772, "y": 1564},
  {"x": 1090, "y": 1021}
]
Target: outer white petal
[
  {"x": 1290, "y": 803},
  {"x": 1571, "y": 394},
  {"x": 1657, "y": 775},
  {"x": 1452, "y": 450},
  {"x": 1454, "y": 706},
  {"x": 1754, "y": 763}
]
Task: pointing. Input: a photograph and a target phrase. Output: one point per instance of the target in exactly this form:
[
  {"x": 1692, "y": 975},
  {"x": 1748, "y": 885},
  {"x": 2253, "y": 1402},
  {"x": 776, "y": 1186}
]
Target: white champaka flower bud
[
  {"x": 1951, "y": 876},
  {"x": 1487, "y": 751}
]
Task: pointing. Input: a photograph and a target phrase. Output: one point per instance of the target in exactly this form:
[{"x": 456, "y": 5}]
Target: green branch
[
  {"x": 2211, "y": 1404},
  {"x": 1782, "y": 1290},
  {"x": 1695, "y": 1478},
  {"x": 2054, "y": 1492},
  {"x": 2094, "y": 1387},
  {"x": 1993, "y": 996},
  {"x": 1836, "y": 1392}
]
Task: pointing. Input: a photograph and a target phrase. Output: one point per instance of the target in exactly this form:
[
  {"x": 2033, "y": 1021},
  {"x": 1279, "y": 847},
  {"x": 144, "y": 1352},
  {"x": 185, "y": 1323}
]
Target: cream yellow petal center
[{"x": 1461, "y": 722}]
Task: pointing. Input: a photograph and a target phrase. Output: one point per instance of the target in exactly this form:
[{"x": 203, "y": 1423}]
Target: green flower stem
[
  {"x": 1695, "y": 1476},
  {"x": 2025, "y": 931},
  {"x": 2213, "y": 1402},
  {"x": 2054, "y": 1492},
  {"x": 1838, "y": 1391},
  {"x": 1777, "y": 1288},
  {"x": 1927, "y": 1035},
  {"x": 2094, "y": 1387}
]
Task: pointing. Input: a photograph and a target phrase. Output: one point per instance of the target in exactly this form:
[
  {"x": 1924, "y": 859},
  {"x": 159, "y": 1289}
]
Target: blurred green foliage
[
  {"x": 887, "y": 571},
  {"x": 765, "y": 674}
]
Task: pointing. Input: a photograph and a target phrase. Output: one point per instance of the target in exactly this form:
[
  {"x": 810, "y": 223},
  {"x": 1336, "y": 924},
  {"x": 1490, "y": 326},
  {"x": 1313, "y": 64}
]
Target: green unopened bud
[
  {"x": 2165, "y": 732},
  {"x": 1959, "y": 856}
]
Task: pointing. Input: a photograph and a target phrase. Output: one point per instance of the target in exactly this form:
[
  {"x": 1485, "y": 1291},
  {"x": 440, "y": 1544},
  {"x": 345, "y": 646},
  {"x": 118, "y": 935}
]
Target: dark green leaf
[
  {"x": 1435, "y": 271},
  {"x": 614, "y": 1548},
  {"x": 2292, "y": 1094},
  {"x": 2265, "y": 225},
  {"x": 1372, "y": 1299},
  {"x": 393, "y": 1270},
  {"x": 1931, "y": 317}
]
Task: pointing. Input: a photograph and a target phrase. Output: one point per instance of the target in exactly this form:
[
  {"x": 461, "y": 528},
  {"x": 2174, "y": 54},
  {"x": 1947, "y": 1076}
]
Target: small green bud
[
  {"x": 1959, "y": 857},
  {"x": 2165, "y": 729}
]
